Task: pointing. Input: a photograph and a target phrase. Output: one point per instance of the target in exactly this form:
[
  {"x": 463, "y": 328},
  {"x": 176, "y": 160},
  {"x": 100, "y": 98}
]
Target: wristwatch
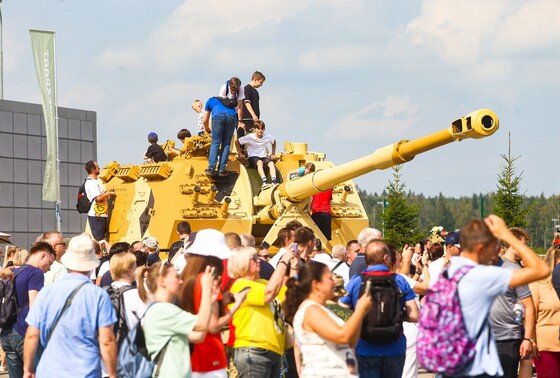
[{"x": 531, "y": 340}]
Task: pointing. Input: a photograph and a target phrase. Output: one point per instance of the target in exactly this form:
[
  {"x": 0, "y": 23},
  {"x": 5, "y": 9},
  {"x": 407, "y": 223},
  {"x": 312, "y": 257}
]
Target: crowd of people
[
  {"x": 219, "y": 306},
  {"x": 474, "y": 302}
]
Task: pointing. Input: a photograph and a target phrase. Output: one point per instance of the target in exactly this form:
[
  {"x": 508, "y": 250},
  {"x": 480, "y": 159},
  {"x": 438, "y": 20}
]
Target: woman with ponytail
[
  {"x": 324, "y": 340},
  {"x": 167, "y": 328}
]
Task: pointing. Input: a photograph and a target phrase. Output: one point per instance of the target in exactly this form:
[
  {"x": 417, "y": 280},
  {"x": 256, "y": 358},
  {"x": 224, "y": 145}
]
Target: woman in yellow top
[
  {"x": 547, "y": 306},
  {"x": 260, "y": 333}
]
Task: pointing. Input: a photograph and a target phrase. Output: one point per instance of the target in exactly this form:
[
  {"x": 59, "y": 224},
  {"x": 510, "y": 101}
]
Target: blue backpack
[{"x": 133, "y": 360}]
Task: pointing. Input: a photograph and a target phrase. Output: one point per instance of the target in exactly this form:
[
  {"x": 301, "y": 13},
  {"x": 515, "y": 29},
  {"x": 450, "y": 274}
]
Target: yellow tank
[{"x": 151, "y": 199}]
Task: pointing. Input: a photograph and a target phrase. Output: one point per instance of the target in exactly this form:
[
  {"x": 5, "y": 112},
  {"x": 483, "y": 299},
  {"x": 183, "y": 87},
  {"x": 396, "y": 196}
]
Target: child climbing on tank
[
  {"x": 301, "y": 171},
  {"x": 257, "y": 144}
]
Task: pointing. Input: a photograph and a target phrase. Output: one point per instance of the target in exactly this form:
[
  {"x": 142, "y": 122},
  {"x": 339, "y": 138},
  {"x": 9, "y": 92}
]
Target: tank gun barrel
[{"x": 476, "y": 125}]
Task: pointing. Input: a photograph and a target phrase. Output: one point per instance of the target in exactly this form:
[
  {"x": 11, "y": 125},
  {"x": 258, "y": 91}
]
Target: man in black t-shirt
[
  {"x": 251, "y": 109},
  {"x": 155, "y": 152}
]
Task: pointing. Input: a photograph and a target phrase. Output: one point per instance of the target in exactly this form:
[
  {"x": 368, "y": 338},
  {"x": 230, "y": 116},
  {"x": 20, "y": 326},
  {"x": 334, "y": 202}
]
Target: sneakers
[
  {"x": 223, "y": 174},
  {"x": 209, "y": 172},
  {"x": 274, "y": 182},
  {"x": 265, "y": 184}
]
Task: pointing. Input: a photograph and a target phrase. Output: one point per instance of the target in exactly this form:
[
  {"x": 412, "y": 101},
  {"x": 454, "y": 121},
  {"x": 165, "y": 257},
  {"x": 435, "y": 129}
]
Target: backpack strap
[
  {"x": 336, "y": 266},
  {"x": 64, "y": 309}
]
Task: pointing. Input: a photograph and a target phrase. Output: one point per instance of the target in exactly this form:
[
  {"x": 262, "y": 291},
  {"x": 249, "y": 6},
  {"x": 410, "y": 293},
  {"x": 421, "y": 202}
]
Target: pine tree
[
  {"x": 508, "y": 201},
  {"x": 400, "y": 220}
]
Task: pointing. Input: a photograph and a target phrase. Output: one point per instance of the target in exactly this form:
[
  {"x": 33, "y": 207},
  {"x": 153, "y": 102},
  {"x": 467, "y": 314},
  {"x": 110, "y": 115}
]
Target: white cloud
[
  {"x": 335, "y": 58},
  {"x": 463, "y": 33},
  {"x": 392, "y": 117}
]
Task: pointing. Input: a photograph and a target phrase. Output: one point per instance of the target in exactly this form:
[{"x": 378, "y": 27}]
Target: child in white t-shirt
[{"x": 257, "y": 144}]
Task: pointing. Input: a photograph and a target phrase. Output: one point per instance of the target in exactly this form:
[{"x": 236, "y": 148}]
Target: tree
[
  {"x": 508, "y": 200},
  {"x": 400, "y": 220}
]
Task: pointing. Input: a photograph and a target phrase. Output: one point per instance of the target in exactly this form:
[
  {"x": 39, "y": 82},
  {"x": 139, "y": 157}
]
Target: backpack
[
  {"x": 83, "y": 204},
  {"x": 384, "y": 322},
  {"x": 121, "y": 326},
  {"x": 444, "y": 345},
  {"x": 9, "y": 309},
  {"x": 228, "y": 102},
  {"x": 133, "y": 360}
]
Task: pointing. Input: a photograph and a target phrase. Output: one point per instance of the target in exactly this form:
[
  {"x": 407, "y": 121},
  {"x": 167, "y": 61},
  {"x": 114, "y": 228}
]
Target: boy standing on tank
[{"x": 258, "y": 144}]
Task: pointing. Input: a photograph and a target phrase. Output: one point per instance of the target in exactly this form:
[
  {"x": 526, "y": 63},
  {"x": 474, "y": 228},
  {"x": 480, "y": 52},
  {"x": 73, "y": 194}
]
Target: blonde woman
[
  {"x": 547, "y": 308},
  {"x": 260, "y": 332},
  {"x": 167, "y": 328}
]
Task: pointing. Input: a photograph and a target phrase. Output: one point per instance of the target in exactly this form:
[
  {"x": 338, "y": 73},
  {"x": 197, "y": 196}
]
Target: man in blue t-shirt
[
  {"x": 381, "y": 360},
  {"x": 29, "y": 279},
  {"x": 224, "y": 121}
]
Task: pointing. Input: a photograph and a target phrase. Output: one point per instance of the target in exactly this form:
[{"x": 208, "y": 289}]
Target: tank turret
[{"x": 151, "y": 199}]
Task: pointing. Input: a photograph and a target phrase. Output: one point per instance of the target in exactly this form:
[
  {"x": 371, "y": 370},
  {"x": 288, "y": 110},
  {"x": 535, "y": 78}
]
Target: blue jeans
[
  {"x": 257, "y": 363},
  {"x": 12, "y": 343},
  {"x": 381, "y": 366},
  {"x": 223, "y": 126}
]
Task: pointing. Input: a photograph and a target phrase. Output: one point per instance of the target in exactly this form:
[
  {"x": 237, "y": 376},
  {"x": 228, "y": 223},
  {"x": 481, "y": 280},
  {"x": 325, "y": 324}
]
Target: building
[{"x": 22, "y": 161}]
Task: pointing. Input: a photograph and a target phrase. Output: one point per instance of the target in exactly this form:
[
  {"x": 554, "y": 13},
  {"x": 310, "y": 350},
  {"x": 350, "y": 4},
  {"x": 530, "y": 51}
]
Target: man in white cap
[{"x": 75, "y": 345}]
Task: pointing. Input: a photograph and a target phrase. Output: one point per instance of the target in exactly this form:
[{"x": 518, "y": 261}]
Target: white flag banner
[{"x": 42, "y": 43}]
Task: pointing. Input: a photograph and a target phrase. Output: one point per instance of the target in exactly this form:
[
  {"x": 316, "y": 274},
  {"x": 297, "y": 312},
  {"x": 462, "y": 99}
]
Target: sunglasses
[
  {"x": 265, "y": 257},
  {"x": 62, "y": 243}
]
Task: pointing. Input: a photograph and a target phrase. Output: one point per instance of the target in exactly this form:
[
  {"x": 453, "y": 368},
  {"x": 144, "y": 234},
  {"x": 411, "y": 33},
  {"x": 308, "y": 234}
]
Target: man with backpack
[
  {"x": 72, "y": 319},
  {"x": 27, "y": 281},
  {"x": 454, "y": 338},
  {"x": 99, "y": 200},
  {"x": 382, "y": 345}
]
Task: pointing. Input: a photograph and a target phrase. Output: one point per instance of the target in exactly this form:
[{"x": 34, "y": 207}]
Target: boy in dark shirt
[{"x": 155, "y": 152}]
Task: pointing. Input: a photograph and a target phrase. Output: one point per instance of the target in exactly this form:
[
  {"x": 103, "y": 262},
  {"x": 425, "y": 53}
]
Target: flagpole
[{"x": 57, "y": 209}]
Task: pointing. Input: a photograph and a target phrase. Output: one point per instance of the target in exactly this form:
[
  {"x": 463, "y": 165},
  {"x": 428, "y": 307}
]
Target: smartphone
[{"x": 245, "y": 289}]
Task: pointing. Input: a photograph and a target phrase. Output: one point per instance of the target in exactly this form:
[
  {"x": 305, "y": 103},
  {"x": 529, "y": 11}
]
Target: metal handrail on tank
[{"x": 476, "y": 125}]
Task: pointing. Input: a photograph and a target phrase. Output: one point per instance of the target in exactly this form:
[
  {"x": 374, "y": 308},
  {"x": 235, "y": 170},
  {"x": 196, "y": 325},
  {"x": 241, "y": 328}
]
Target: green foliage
[
  {"x": 399, "y": 219},
  {"x": 508, "y": 200}
]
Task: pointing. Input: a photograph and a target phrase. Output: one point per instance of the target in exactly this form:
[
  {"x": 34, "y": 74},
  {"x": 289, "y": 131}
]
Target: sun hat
[
  {"x": 210, "y": 242},
  {"x": 80, "y": 254}
]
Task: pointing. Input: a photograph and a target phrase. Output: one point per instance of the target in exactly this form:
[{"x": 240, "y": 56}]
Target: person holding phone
[
  {"x": 326, "y": 343},
  {"x": 260, "y": 332}
]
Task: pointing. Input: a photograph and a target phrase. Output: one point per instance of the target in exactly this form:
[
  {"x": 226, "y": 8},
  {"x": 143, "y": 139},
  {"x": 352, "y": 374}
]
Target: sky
[{"x": 347, "y": 77}]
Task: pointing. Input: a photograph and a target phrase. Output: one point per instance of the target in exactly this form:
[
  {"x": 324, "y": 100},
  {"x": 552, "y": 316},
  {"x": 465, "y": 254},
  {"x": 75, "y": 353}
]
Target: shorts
[{"x": 253, "y": 161}]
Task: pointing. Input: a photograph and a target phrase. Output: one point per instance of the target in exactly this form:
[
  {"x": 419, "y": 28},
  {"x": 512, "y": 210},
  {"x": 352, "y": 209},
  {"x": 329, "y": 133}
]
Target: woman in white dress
[{"x": 325, "y": 342}]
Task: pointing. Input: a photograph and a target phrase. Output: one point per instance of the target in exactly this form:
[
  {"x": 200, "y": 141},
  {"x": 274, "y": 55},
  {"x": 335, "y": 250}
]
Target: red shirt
[
  {"x": 210, "y": 354},
  {"x": 321, "y": 202}
]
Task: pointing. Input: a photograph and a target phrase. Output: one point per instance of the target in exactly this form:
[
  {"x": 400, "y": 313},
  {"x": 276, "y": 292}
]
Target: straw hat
[
  {"x": 80, "y": 254},
  {"x": 210, "y": 242}
]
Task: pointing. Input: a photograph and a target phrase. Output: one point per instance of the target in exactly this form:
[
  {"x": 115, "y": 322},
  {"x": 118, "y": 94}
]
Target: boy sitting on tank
[
  {"x": 301, "y": 171},
  {"x": 155, "y": 152},
  {"x": 258, "y": 143}
]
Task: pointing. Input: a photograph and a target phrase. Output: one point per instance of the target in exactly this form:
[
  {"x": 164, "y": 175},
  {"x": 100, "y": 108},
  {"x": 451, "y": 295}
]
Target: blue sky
[{"x": 347, "y": 77}]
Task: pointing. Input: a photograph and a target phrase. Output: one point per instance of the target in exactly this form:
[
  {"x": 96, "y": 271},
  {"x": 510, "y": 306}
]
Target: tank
[{"x": 151, "y": 199}]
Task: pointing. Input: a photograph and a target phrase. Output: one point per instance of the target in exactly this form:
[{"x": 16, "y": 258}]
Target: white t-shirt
[
  {"x": 94, "y": 189},
  {"x": 104, "y": 268},
  {"x": 435, "y": 269},
  {"x": 240, "y": 96},
  {"x": 55, "y": 272},
  {"x": 274, "y": 260},
  {"x": 477, "y": 291},
  {"x": 322, "y": 358},
  {"x": 257, "y": 146}
]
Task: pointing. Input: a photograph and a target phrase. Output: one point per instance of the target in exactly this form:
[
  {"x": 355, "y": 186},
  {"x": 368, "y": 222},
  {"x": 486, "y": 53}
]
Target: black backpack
[
  {"x": 9, "y": 309},
  {"x": 384, "y": 323},
  {"x": 121, "y": 326},
  {"x": 83, "y": 204}
]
